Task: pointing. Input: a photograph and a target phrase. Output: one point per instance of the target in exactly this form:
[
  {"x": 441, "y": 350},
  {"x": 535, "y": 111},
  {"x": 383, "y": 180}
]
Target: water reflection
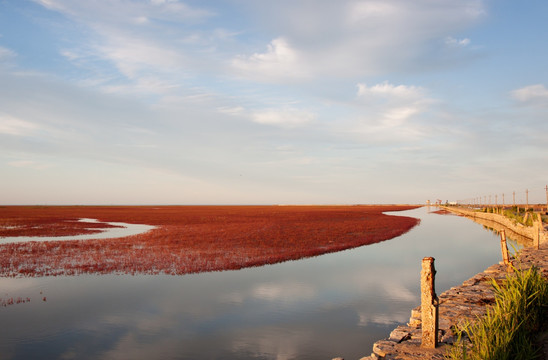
[
  {"x": 121, "y": 230},
  {"x": 332, "y": 305}
]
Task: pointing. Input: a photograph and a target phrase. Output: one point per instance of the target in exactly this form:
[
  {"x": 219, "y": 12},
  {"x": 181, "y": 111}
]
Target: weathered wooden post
[
  {"x": 429, "y": 304},
  {"x": 504, "y": 248}
]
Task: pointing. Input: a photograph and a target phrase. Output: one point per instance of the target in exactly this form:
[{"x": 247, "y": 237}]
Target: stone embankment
[
  {"x": 461, "y": 303},
  {"x": 500, "y": 222}
]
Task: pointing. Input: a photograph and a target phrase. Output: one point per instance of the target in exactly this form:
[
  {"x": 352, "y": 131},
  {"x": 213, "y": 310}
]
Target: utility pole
[
  {"x": 502, "y": 200},
  {"x": 514, "y": 197},
  {"x": 496, "y": 200},
  {"x": 546, "y": 188},
  {"x": 527, "y": 198}
]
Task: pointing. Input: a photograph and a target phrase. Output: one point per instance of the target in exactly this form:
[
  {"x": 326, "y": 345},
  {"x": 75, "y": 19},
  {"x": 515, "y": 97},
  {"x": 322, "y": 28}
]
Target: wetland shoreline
[{"x": 464, "y": 302}]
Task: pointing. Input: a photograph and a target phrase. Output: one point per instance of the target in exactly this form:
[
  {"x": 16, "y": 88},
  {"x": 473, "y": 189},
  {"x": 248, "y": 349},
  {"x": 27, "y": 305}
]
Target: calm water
[
  {"x": 123, "y": 229},
  {"x": 332, "y": 305}
]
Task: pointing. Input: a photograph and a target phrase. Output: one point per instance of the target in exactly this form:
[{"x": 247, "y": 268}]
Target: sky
[{"x": 272, "y": 102}]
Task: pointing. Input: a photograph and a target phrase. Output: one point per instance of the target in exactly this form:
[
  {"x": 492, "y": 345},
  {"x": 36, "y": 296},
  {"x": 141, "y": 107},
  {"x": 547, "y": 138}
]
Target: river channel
[{"x": 318, "y": 308}]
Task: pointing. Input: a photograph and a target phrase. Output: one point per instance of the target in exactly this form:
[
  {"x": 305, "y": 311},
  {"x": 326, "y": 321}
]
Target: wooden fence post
[
  {"x": 504, "y": 248},
  {"x": 429, "y": 304}
]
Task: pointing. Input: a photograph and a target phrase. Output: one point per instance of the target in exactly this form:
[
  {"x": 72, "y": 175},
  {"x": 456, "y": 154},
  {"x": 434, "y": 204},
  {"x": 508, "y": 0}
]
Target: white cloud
[
  {"x": 6, "y": 54},
  {"x": 387, "y": 90},
  {"x": 388, "y": 111},
  {"x": 13, "y": 126},
  {"x": 284, "y": 118},
  {"x": 141, "y": 20},
  {"x": 50, "y": 4},
  {"x": 71, "y": 55},
  {"x": 532, "y": 94},
  {"x": 370, "y": 11},
  {"x": 397, "y": 115},
  {"x": 143, "y": 85},
  {"x": 394, "y": 103},
  {"x": 450, "y": 41},
  {"x": 132, "y": 56},
  {"x": 280, "y": 61},
  {"x": 142, "y": 65},
  {"x": 233, "y": 111}
]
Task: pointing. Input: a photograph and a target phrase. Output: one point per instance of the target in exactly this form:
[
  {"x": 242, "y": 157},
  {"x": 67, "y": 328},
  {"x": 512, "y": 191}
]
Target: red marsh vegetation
[
  {"x": 442, "y": 212},
  {"x": 188, "y": 239}
]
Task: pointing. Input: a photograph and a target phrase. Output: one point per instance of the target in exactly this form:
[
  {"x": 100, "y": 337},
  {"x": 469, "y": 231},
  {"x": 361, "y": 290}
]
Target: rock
[
  {"x": 400, "y": 334},
  {"x": 383, "y": 347},
  {"x": 415, "y": 319}
]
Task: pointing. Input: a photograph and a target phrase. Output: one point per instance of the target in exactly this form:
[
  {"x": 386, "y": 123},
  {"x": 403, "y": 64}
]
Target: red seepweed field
[{"x": 188, "y": 239}]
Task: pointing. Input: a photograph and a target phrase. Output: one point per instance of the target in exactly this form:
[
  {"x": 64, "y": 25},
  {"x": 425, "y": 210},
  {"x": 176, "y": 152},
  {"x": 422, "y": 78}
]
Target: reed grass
[{"x": 508, "y": 329}]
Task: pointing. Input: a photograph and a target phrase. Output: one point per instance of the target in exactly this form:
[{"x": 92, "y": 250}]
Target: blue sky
[{"x": 268, "y": 102}]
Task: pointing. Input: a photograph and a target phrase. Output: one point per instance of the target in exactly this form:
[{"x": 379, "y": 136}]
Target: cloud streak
[
  {"x": 532, "y": 95},
  {"x": 6, "y": 54},
  {"x": 285, "y": 117},
  {"x": 13, "y": 126}
]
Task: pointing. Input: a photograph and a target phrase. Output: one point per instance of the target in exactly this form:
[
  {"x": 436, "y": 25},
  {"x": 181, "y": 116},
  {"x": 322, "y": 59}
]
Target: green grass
[
  {"x": 507, "y": 330},
  {"x": 518, "y": 215},
  {"x": 514, "y": 215}
]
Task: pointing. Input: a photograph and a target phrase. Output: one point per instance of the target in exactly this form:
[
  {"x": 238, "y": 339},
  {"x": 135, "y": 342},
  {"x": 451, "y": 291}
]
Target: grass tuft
[{"x": 507, "y": 330}]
